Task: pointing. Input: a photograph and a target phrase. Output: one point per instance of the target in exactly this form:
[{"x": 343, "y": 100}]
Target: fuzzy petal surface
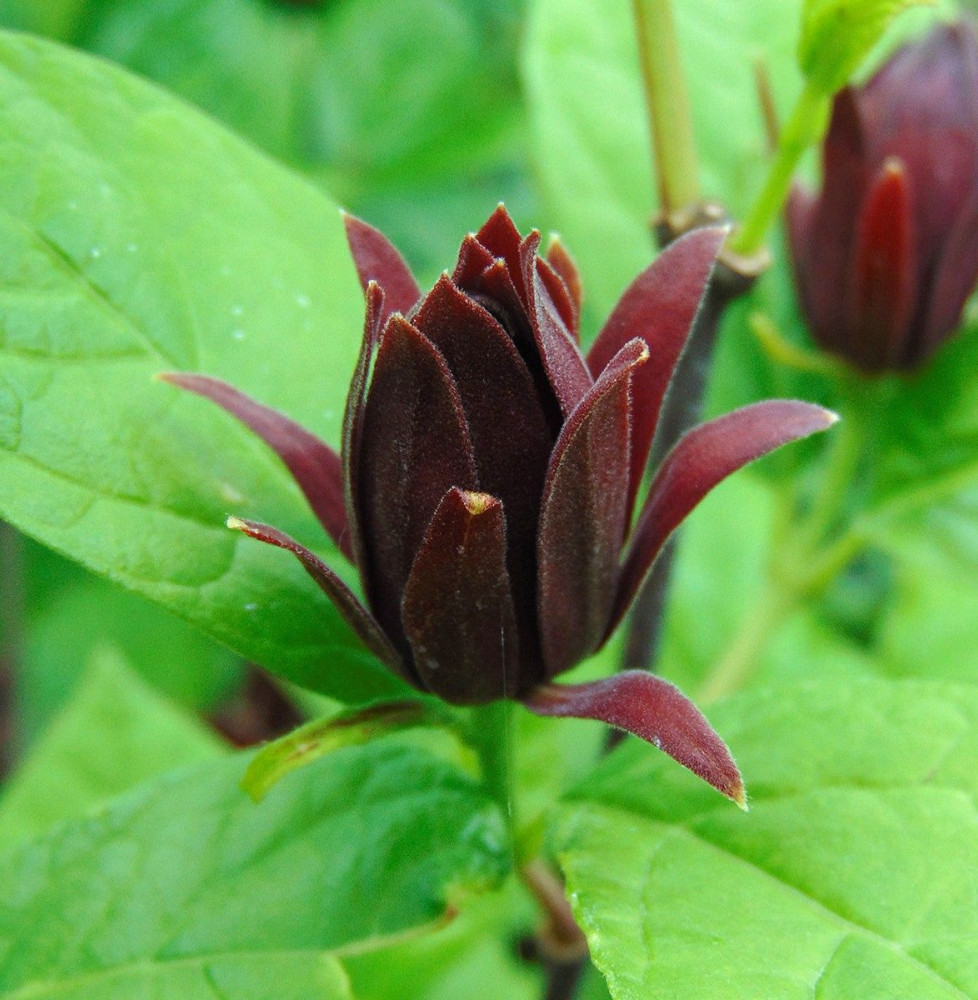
[
  {"x": 584, "y": 516},
  {"x": 510, "y": 437},
  {"x": 655, "y": 711},
  {"x": 659, "y": 306},
  {"x": 458, "y": 610},
  {"x": 414, "y": 446}
]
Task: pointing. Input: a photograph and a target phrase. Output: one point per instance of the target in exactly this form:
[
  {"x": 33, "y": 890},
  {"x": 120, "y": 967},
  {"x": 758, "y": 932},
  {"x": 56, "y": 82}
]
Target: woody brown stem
[
  {"x": 560, "y": 945},
  {"x": 681, "y": 410}
]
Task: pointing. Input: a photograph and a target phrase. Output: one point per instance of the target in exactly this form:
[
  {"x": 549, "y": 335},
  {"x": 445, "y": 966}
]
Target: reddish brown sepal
[
  {"x": 583, "y": 519},
  {"x": 377, "y": 259},
  {"x": 355, "y": 614},
  {"x": 655, "y": 711},
  {"x": 659, "y": 306}
]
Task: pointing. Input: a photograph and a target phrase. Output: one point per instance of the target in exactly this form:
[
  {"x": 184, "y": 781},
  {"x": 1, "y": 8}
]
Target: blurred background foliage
[{"x": 420, "y": 115}]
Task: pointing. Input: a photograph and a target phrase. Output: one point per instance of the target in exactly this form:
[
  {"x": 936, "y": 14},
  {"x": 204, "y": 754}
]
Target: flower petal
[
  {"x": 502, "y": 239},
  {"x": 659, "y": 306},
  {"x": 353, "y": 424},
  {"x": 583, "y": 516},
  {"x": 356, "y": 615},
  {"x": 414, "y": 446},
  {"x": 566, "y": 369},
  {"x": 473, "y": 259},
  {"x": 954, "y": 281},
  {"x": 458, "y": 610},
  {"x": 560, "y": 297},
  {"x": 799, "y": 214},
  {"x": 883, "y": 274},
  {"x": 313, "y": 464},
  {"x": 846, "y": 176},
  {"x": 377, "y": 259},
  {"x": 703, "y": 457},
  {"x": 563, "y": 264},
  {"x": 655, "y": 711},
  {"x": 511, "y": 440}
]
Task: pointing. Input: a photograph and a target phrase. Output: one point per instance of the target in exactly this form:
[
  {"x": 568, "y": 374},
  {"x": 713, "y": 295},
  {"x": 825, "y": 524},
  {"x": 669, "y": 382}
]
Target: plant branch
[
  {"x": 803, "y": 128},
  {"x": 681, "y": 409},
  {"x": 560, "y": 945},
  {"x": 670, "y": 122}
]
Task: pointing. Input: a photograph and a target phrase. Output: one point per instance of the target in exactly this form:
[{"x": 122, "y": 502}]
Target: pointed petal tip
[
  {"x": 655, "y": 711},
  {"x": 236, "y": 524},
  {"x": 478, "y": 503}
]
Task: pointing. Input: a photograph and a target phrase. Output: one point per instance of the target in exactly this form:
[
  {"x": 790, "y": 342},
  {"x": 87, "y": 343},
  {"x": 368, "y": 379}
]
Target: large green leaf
[
  {"x": 138, "y": 236},
  {"x": 854, "y": 874},
  {"x": 115, "y": 732},
  {"x": 184, "y": 881}
]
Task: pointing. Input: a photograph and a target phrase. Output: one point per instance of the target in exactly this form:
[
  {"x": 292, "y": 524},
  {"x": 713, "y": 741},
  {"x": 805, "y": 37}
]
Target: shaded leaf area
[
  {"x": 854, "y": 874},
  {"x": 420, "y": 137},
  {"x": 115, "y": 732},
  {"x": 72, "y": 614},
  {"x": 473, "y": 956},
  {"x": 138, "y": 236},
  {"x": 185, "y": 880}
]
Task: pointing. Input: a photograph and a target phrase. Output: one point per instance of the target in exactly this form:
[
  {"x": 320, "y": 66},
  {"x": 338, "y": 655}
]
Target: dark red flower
[
  {"x": 490, "y": 469},
  {"x": 886, "y": 256}
]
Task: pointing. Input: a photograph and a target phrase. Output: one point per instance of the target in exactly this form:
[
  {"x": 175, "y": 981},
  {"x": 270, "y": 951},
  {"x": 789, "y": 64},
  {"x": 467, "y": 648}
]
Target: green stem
[
  {"x": 670, "y": 122},
  {"x": 491, "y": 736},
  {"x": 802, "y": 129}
]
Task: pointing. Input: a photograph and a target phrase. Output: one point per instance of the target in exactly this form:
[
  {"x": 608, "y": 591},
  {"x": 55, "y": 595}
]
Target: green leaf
[
  {"x": 185, "y": 875},
  {"x": 55, "y": 18},
  {"x": 837, "y": 35},
  {"x": 138, "y": 236},
  {"x": 853, "y": 875},
  {"x": 115, "y": 732},
  {"x": 322, "y": 737}
]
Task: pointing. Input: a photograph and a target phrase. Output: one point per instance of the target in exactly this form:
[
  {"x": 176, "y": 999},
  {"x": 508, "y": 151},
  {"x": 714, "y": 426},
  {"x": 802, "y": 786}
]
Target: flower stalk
[
  {"x": 670, "y": 120},
  {"x": 803, "y": 128}
]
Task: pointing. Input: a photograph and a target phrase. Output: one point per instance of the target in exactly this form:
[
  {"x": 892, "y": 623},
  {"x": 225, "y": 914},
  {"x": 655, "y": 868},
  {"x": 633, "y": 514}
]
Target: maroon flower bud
[
  {"x": 886, "y": 256},
  {"x": 490, "y": 469}
]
